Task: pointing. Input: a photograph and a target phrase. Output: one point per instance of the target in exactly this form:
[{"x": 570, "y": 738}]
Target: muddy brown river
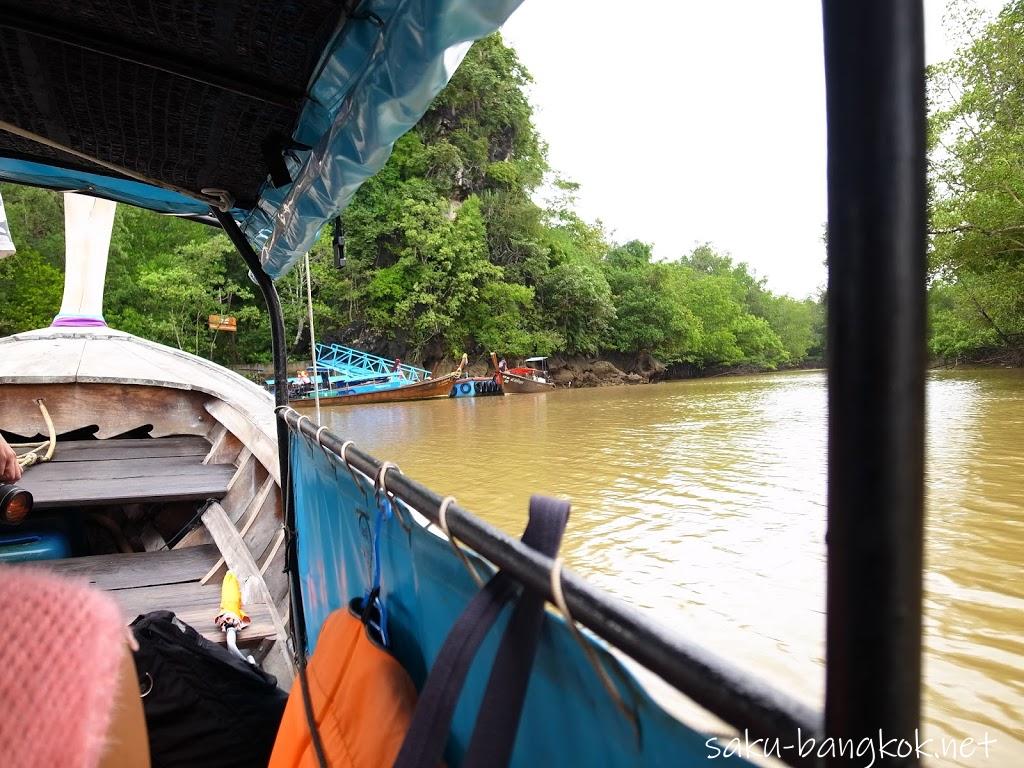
[{"x": 703, "y": 502}]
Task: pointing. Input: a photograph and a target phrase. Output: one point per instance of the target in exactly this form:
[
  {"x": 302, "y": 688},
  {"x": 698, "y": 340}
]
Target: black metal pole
[
  {"x": 280, "y": 349},
  {"x": 280, "y": 354},
  {"x": 874, "y": 68},
  {"x": 734, "y": 696}
]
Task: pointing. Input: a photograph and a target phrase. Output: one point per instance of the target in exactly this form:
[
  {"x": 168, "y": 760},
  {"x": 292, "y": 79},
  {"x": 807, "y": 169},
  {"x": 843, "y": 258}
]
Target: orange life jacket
[
  {"x": 363, "y": 701},
  {"x": 365, "y": 704}
]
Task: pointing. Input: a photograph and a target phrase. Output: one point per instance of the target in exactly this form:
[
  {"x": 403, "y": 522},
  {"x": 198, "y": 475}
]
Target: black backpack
[{"x": 204, "y": 706}]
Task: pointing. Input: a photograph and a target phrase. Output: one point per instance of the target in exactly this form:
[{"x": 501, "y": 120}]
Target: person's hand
[{"x": 10, "y": 472}]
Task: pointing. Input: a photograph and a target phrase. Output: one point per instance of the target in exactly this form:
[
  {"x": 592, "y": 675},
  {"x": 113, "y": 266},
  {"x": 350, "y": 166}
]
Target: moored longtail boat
[
  {"x": 515, "y": 384},
  {"x": 270, "y": 137},
  {"x": 426, "y": 389},
  {"x": 347, "y": 376},
  {"x": 524, "y": 380}
]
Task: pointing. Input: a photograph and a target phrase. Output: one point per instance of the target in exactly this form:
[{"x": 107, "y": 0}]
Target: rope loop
[
  {"x": 442, "y": 521},
  {"x": 317, "y": 437},
  {"x": 595, "y": 661},
  {"x": 285, "y": 411},
  {"x": 32, "y": 455},
  {"x": 344, "y": 452},
  {"x": 343, "y": 455},
  {"x": 381, "y": 478}
]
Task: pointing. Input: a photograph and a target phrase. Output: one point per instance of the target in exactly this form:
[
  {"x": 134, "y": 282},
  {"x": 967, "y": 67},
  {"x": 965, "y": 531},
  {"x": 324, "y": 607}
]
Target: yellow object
[{"x": 231, "y": 602}]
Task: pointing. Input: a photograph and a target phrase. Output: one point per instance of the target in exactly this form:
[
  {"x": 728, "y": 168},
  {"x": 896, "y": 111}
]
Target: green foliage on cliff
[
  {"x": 447, "y": 251},
  {"x": 976, "y": 137}
]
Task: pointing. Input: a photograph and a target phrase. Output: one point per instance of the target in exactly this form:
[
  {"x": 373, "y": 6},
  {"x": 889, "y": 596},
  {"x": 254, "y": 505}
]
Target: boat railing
[
  {"x": 356, "y": 364},
  {"x": 710, "y": 681}
]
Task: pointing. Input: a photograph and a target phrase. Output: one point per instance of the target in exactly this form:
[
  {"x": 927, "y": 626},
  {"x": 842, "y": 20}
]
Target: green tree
[
  {"x": 976, "y": 135},
  {"x": 32, "y": 280},
  {"x": 735, "y": 312},
  {"x": 578, "y": 304},
  {"x": 648, "y": 316},
  {"x": 176, "y": 294}
]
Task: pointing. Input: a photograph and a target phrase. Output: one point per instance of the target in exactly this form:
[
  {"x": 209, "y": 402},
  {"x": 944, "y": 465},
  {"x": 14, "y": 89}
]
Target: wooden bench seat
[
  {"x": 141, "y": 582},
  {"x": 144, "y": 448},
  {"x": 138, "y": 569},
  {"x": 95, "y": 472}
]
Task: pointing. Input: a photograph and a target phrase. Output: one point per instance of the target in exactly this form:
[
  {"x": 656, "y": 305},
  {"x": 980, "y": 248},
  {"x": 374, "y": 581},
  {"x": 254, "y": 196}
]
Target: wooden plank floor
[
  {"x": 168, "y": 580},
  {"x": 94, "y": 472},
  {"x": 90, "y": 472},
  {"x": 139, "y": 569}
]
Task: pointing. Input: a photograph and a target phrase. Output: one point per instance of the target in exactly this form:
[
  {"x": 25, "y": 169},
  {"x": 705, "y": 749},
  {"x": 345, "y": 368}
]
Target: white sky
[{"x": 693, "y": 122}]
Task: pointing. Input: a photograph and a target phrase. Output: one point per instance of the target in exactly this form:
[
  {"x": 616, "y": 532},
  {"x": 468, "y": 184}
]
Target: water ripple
[{"x": 704, "y": 503}]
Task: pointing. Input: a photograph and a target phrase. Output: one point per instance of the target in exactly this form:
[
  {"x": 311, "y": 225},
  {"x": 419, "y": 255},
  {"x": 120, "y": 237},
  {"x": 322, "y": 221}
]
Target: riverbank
[
  {"x": 614, "y": 370},
  {"x": 997, "y": 358}
]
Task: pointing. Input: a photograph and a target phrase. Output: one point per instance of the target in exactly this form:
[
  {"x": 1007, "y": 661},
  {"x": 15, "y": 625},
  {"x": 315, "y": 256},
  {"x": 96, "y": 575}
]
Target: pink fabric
[{"x": 60, "y": 646}]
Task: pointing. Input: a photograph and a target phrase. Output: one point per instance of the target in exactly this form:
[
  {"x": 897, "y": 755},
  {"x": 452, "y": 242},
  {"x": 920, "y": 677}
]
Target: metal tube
[
  {"x": 735, "y": 697},
  {"x": 312, "y": 338},
  {"x": 280, "y": 349},
  {"x": 280, "y": 352},
  {"x": 874, "y": 67}
]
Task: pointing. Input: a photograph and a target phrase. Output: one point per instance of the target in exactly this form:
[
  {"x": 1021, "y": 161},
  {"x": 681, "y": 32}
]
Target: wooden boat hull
[
  {"x": 145, "y": 436},
  {"x": 520, "y": 385},
  {"x": 419, "y": 390}
]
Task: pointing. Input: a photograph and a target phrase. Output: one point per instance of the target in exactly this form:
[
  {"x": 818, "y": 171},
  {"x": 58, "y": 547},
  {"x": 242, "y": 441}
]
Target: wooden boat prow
[
  {"x": 52, "y": 356},
  {"x": 197, "y": 432}
]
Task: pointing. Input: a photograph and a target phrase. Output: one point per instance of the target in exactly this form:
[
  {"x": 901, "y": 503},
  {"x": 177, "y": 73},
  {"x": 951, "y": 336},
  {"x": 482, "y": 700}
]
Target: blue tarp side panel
[
  {"x": 568, "y": 718},
  {"x": 121, "y": 190},
  {"x": 376, "y": 83}
]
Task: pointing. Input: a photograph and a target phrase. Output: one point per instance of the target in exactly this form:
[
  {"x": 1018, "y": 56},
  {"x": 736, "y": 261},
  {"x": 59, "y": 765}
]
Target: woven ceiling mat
[{"x": 183, "y": 92}]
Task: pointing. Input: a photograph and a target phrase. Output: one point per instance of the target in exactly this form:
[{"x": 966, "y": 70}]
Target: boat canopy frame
[
  {"x": 874, "y": 71},
  {"x": 273, "y": 110}
]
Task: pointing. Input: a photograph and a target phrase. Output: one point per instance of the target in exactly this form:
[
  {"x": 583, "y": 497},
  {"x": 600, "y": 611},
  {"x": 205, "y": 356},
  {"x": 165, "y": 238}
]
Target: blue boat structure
[
  {"x": 346, "y": 376},
  {"x": 348, "y": 364},
  {"x": 264, "y": 118}
]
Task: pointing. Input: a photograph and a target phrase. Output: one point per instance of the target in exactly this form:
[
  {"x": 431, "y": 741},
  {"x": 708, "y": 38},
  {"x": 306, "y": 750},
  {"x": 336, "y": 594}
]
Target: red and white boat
[{"x": 527, "y": 379}]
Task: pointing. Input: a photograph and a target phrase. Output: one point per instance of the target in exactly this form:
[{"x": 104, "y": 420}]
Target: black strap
[
  {"x": 428, "y": 733},
  {"x": 498, "y": 720}
]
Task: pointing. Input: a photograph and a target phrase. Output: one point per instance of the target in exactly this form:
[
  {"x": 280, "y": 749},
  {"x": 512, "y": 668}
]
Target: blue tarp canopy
[{"x": 274, "y": 109}]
